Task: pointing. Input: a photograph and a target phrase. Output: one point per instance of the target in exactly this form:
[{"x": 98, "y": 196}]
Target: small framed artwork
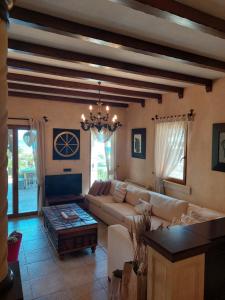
[
  {"x": 218, "y": 147},
  {"x": 138, "y": 143}
]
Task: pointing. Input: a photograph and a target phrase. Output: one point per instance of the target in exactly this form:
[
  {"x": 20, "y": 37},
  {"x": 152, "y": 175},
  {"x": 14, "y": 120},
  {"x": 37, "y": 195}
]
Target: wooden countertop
[{"x": 180, "y": 242}]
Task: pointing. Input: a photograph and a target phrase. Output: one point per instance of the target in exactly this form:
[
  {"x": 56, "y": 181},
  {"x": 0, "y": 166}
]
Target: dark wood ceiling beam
[
  {"x": 75, "y": 57},
  {"x": 65, "y": 27},
  {"x": 63, "y": 92},
  {"x": 30, "y": 95},
  {"x": 46, "y": 69},
  {"x": 80, "y": 86},
  {"x": 180, "y": 14}
]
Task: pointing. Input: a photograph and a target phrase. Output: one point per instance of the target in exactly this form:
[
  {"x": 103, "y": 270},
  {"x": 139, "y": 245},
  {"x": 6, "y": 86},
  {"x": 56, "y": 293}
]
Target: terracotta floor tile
[
  {"x": 42, "y": 268},
  {"x": 85, "y": 289},
  {"x": 24, "y": 272},
  {"x": 38, "y": 255},
  {"x": 78, "y": 276},
  {"x": 47, "y": 284},
  {"x": 99, "y": 294},
  {"x": 62, "y": 295},
  {"x": 27, "y": 290},
  {"x": 35, "y": 245}
]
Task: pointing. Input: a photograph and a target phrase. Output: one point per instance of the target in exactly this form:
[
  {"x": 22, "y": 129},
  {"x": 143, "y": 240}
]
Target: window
[
  {"x": 170, "y": 151},
  {"x": 179, "y": 172},
  {"x": 102, "y": 157}
]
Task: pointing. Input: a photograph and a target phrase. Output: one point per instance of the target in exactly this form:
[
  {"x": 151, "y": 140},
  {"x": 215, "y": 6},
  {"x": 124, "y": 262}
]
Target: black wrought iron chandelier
[{"x": 100, "y": 120}]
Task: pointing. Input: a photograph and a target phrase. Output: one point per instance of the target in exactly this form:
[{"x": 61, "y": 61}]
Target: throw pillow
[
  {"x": 204, "y": 214},
  {"x": 101, "y": 188},
  {"x": 143, "y": 207},
  {"x": 120, "y": 194},
  {"x": 94, "y": 190},
  {"x": 184, "y": 220},
  {"x": 107, "y": 187}
]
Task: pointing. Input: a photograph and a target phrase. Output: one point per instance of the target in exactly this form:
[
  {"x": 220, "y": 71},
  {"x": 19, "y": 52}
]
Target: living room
[{"x": 155, "y": 73}]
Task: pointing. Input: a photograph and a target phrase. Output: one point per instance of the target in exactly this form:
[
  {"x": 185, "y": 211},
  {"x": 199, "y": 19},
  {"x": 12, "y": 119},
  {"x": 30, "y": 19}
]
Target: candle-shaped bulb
[
  {"x": 90, "y": 107},
  {"x": 107, "y": 108},
  {"x": 83, "y": 117},
  {"x": 113, "y": 120},
  {"x": 115, "y": 117}
]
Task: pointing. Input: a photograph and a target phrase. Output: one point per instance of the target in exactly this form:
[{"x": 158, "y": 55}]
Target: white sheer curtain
[
  {"x": 169, "y": 148},
  {"x": 103, "y": 136},
  {"x": 103, "y": 143},
  {"x": 38, "y": 145}
]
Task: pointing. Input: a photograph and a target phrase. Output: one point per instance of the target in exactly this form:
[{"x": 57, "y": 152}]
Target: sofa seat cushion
[
  {"x": 100, "y": 200},
  {"x": 166, "y": 207},
  {"x": 119, "y": 210},
  {"x": 134, "y": 194},
  {"x": 155, "y": 221}
]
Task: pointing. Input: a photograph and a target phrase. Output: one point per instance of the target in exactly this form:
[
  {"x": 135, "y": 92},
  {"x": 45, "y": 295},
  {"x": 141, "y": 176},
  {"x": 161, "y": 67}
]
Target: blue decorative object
[
  {"x": 138, "y": 143},
  {"x": 66, "y": 144}
]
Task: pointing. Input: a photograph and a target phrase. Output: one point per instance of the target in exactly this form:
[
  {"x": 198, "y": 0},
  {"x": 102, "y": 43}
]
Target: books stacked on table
[{"x": 69, "y": 215}]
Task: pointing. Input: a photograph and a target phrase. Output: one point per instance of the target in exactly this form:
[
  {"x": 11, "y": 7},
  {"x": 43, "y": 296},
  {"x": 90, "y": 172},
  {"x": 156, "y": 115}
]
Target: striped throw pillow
[{"x": 119, "y": 194}]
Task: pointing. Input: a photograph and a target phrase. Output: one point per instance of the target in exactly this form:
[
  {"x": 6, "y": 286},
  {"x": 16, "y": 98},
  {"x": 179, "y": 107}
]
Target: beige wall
[
  {"x": 208, "y": 187},
  {"x": 66, "y": 115}
]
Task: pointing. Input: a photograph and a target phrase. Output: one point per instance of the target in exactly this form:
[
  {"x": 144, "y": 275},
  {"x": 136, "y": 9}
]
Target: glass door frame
[{"x": 15, "y": 168}]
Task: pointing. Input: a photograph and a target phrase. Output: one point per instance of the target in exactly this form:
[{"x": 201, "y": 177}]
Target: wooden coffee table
[{"x": 70, "y": 235}]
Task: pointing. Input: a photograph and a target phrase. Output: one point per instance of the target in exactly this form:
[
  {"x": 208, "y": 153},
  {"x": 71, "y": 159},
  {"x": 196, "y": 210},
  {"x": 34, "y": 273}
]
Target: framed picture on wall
[
  {"x": 66, "y": 144},
  {"x": 218, "y": 147},
  {"x": 138, "y": 143}
]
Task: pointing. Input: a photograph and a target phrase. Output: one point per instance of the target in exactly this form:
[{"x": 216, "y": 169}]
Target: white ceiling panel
[
  {"x": 90, "y": 81},
  {"x": 90, "y": 68},
  {"x": 74, "y": 44},
  {"x": 118, "y": 18}
]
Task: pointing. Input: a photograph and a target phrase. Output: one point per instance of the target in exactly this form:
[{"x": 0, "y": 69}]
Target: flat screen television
[{"x": 56, "y": 185}]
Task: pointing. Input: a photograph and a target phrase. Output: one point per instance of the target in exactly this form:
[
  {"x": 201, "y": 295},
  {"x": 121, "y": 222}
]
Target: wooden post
[{"x": 3, "y": 152}]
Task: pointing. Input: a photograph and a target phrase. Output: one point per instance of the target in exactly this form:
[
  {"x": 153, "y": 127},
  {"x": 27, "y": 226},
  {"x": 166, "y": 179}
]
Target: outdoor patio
[{"x": 27, "y": 199}]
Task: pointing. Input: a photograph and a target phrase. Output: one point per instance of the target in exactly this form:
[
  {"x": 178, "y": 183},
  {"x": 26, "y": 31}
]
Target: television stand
[{"x": 65, "y": 199}]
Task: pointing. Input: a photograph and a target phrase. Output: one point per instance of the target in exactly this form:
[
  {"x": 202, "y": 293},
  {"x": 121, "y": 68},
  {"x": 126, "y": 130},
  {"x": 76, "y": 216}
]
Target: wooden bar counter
[{"x": 187, "y": 262}]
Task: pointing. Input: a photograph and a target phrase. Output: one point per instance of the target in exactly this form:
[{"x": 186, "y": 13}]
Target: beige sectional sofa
[
  {"x": 164, "y": 211},
  {"x": 164, "y": 208}
]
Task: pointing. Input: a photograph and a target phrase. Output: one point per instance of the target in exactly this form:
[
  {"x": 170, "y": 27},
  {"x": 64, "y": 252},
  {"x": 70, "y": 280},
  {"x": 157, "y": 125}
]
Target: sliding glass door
[
  {"x": 22, "y": 180},
  {"x": 10, "y": 171}
]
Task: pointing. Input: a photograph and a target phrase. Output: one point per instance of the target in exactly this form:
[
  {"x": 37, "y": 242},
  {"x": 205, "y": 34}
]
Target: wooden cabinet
[{"x": 181, "y": 280}]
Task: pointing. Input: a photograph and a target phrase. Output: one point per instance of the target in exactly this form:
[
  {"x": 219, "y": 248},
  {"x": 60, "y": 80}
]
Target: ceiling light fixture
[{"x": 99, "y": 120}]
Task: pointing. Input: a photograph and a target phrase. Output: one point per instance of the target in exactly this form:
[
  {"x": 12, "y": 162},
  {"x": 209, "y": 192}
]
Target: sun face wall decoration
[{"x": 66, "y": 144}]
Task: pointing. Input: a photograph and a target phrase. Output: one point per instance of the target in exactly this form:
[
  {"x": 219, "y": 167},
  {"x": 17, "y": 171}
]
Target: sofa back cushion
[
  {"x": 120, "y": 193},
  {"x": 167, "y": 207},
  {"x": 134, "y": 194}
]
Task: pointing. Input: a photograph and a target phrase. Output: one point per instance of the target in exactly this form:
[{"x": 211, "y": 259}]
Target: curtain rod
[
  {"x": 190, "y": 116},
  {"x": 27, "y": 119}
]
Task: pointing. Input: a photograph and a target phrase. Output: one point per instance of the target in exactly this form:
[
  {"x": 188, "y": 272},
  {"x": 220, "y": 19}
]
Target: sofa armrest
[{"x": 120, "y": 248}]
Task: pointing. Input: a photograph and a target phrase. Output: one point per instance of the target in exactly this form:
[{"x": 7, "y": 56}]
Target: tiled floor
[{"x": 81, "y": 276}]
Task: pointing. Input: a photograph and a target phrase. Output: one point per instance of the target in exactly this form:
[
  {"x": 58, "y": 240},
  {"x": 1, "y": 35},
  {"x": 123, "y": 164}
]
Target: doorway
[
  {"x": 102, "y": 158},
  {"x": 22, "y": 179}
]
